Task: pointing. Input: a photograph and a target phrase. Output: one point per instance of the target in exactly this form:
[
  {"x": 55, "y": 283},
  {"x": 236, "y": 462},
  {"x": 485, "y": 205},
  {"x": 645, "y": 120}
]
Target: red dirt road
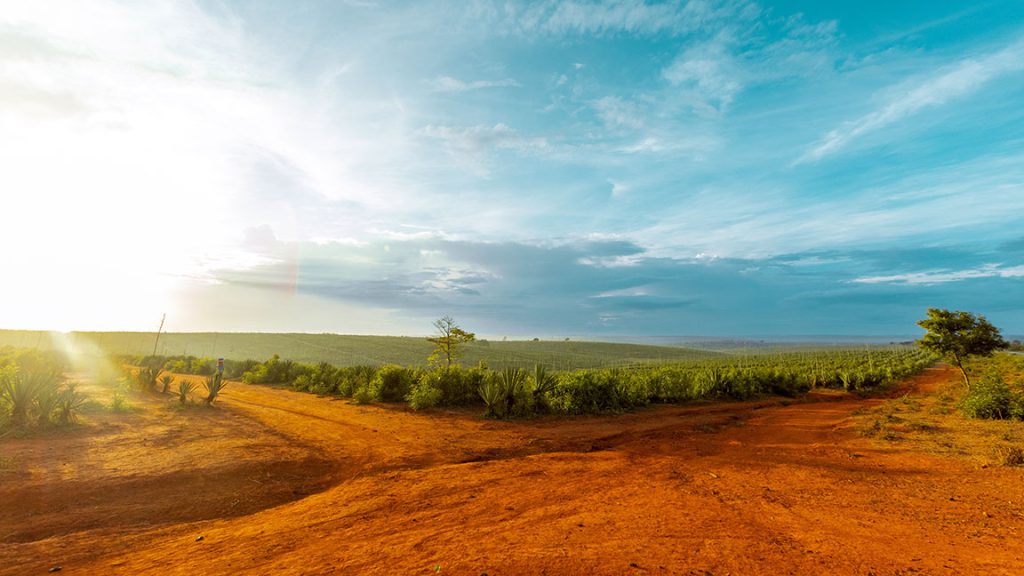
[{"x": 321, "y": 486}]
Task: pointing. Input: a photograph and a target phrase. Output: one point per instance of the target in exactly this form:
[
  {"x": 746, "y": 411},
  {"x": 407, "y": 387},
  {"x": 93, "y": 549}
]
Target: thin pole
[{"x": 158, "y": 331}]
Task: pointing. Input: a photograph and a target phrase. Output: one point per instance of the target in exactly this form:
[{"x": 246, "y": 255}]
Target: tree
[
  {"x": 448, "y": 341},
  {"x": 957, "y": 335}
]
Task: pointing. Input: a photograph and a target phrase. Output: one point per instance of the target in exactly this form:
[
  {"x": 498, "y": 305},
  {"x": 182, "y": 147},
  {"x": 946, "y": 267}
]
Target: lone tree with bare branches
[
  {"x": 448, "y": 342},
  {"x": 957, "y": 335}
]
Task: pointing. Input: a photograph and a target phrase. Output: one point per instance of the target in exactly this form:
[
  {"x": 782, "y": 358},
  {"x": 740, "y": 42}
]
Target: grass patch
[{"x": 1009, "y": 455}]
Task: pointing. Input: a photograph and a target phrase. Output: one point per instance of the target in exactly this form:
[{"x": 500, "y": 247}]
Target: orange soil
[{"x": 278, "y": 482}]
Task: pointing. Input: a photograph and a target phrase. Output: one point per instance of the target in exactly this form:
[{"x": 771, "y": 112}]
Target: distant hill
[{"x": 343, "y": 350}]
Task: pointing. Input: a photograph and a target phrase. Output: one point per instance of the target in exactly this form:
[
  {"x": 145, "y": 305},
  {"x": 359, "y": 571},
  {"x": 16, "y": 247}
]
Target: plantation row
[{"x": 519, "y": 392}]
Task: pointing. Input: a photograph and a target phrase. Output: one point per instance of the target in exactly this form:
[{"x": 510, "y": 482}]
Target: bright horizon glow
[{"x": 600, "y": 167}]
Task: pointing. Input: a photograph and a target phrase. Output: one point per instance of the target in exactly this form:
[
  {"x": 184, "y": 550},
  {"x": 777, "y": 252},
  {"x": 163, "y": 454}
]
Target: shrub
[
  {"x": 366, "y": 394},
  {"x": 425, "y": 393},
  {"x": 990, "y": 398},
  {"x": 69, "y": 403},
  {"x": 393, "y": 383},
  {"x": 166, "y": 380},
  {"x": 146, "y": 378},
  {"x": 119, "y": 403},
  {"x": 586, "y": 392}
]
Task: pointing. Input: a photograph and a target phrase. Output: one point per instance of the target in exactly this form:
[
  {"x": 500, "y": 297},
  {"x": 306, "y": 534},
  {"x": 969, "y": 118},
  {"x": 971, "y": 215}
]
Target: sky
[{"x": 533, "y": 169}]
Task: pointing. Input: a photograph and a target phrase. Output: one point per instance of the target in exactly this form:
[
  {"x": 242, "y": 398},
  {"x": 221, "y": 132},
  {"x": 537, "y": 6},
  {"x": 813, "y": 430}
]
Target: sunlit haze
[{"x": 531, "y": 168}]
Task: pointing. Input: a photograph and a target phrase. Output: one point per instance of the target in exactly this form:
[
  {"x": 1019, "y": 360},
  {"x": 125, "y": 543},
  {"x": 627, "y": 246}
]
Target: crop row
[{"x": 517, "y": 391}]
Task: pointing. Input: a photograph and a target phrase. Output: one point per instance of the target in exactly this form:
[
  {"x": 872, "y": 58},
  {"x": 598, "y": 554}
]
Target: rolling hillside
[{"x": 342, "y": 350}]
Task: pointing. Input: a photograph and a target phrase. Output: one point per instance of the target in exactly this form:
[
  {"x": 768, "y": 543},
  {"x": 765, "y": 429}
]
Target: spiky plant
[
  {"x": 147, "y": 378},
  {"x": 543, "y": 382},
  {"x": 512, "y": 380},
  {"x": 185, "y": 387},
  {"x": 24, "y": 389},
  {"x": 18, "y": 392},
  {"x": 166, "y": 380},
  {"x": 214, "y": 385},
  {"x": 492, "y": 394},
  {"x": 69, "y": 403},
  {"x": 46, "y": 401}
]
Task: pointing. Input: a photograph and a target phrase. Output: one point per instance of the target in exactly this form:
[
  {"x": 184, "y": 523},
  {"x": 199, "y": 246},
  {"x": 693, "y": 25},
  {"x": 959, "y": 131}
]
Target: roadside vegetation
[
  {"x": 984, "y": 423},
  {"x": 33, "y": 391},
  {"x": 528, "y": 390}
]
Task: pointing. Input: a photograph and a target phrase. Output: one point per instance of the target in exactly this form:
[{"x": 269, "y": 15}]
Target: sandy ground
[{"x": 277, "y": 482}]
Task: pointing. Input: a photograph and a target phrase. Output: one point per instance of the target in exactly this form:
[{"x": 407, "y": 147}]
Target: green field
[{"x": 342, "y": 350}]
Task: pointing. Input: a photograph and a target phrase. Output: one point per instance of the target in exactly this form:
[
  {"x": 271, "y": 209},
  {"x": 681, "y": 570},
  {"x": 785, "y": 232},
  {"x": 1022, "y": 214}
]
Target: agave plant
[
  {"x": 147, "y": 378},
  {"x": 21, "y": 389},
  {"x": 185, "y": 387},
  {"x": 491, "y": 393},
  {"x": 46, "y": 401},
  {"x": 166, "y": 380},
  {"x": 214, "y": 385},
  {"x": 18, "y": 391},
  {"x": 512, "y": 381},
  {"x": 543, "y": 382},
  {"x": 69, "y": 403}
]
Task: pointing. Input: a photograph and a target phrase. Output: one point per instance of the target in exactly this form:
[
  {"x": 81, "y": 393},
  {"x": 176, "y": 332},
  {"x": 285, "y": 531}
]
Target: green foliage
[
  {"x": 449, "y": 342},
  {"x": 185, "y": 388},
  {"x": 147, "y": 377},
  {"x": 69, "y": 404},
  {"x": 425, "y": 393},
  {"x": 393, "y": 383},
  {"x": 166, "y": 380},
  {"x": 119, "y": 402},
  {"x": 514, "y": 387},
  {"x": 991, "y": 398},
  {"x": 493, "y": 396},
  {"x": 32, "y": 390},
  {"x": 366, "y": 394},
  {"x": 214, "y": 386},
  {"x": 516, "y": 392},
  {"x": 958, "y": 335}
]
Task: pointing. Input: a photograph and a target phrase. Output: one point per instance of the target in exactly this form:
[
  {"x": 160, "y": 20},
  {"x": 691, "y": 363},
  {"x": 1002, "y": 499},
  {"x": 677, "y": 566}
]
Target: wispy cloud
[
  {"x": 449, "y": 84},
  {"x": 944, "y": 276},
  {"x": 601, "y": 17},
  {"x": 945, "y": 85}
]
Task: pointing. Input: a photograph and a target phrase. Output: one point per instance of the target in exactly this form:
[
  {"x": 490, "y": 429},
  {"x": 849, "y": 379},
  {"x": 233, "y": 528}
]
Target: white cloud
[
  {"x": 600, "y": 17},
  {"x": 472, "y": 145},
  {"x": 944, "y": 276},
  {"x": 449, "y": 84},
  {"x": 710, "y": 72},
  {"x": 949, "y": 83}
]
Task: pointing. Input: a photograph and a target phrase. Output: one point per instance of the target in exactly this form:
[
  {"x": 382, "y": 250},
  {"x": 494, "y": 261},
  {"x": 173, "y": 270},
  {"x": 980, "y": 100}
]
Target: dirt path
[{"x": 743, "y": 488}]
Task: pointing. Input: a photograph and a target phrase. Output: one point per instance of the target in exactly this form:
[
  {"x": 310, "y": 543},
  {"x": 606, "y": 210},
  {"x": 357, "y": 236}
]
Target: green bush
[
  {"x": 366, "y": 394},
  {"x": 393, "y": 383},
  {"x": 990, "y": 398},
  {"x": 426, "y": 392}
]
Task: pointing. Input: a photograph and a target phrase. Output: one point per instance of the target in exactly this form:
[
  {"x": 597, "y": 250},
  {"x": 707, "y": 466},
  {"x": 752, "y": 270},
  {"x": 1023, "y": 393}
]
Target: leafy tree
[
  {"x": 957, "y": 335},
  {"x": 449, "y": 341}
]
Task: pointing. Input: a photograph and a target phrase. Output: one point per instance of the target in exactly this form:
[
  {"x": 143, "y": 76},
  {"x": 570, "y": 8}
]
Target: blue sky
[{"x": 533, "y": 169}]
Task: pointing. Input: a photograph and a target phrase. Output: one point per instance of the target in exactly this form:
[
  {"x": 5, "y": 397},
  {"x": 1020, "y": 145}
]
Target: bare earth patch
[{"x": 286, "y": 483}]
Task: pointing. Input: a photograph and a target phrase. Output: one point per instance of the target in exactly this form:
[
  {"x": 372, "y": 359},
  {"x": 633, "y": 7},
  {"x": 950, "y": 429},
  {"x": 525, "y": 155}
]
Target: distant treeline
[{"x": 517, "y": 391}]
